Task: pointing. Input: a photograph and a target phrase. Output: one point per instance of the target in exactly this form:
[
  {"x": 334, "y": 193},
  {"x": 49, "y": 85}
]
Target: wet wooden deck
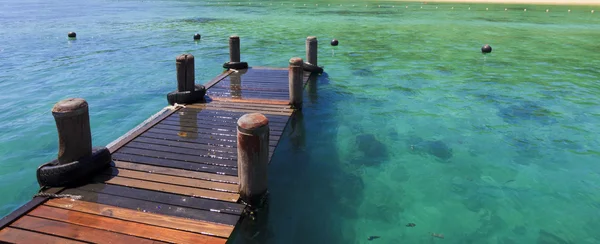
[{"x": 173, "y": 179}]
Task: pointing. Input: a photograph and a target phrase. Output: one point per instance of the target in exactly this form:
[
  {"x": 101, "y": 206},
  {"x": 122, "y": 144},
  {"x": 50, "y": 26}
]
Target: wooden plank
[
  {"x": 216, "y": 91},
  {"x": 215, "y": 124},
  {"x": 178, "y": 157},
  {"x": 18, "y": 236},
  {"x": 170, "y": 136},
  {"x": 75, "y": 232},
  {"x": 155, "y": 186},
  {"x": 158, "y": 206},
  {"x": 211, "y": 208},
  {"x": 176, "y": 172},
  {"x": 230, "y": 121},
  {"x": 249, "y": 100},
  {"x": 206, "y": 138},
  {"x": 136, "y": 133},
  {"x": 213, "y": 151},
  {"x": 216, "y": 114},
  {"x": 261, "y": 105},
  {"x": 180, "y": 150},
  {"x": 175, "y": 164},
  {"x": 217, "y": 79},
  {"x": 195, "y": 226},
  {"x": 255, "y": 68},
  {"x": 31, "y": 204},
  {"x": 203, "y": 106},
  {"x": 210, "y": 132},
  {"x": 121, "y": 226},
  {"x": 248, "y": 106},
  {"x": 199, "y": 125},
  {"x": 210, "y": 185}
]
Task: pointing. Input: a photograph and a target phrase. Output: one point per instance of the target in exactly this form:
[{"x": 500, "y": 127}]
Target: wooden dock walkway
[{"x": 172, "y": 179}]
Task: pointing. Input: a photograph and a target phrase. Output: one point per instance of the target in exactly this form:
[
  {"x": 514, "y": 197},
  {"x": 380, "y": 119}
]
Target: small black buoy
[
  {"x": 334, "y": 42},
  {"x": 72, "y": 34},
  {"x": 486, "y": 49},
  {"x": 197, "y": 36}
]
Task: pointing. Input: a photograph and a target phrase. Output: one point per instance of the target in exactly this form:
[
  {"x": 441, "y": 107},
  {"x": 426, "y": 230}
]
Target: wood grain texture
[
  {"x": 250, "y": 100},
  {"x": 175, "y": 164},
  {"x": 183, "y": 190},
  {"x": 173, "y": 180},
  {"x": 244, "y": 110},
  {"x": 217, "y": 79},
  {"x": 114, "y": 147},
  {"x": 124, "y": 227},
  {"x": 177, "y": 223},
  {"x": 76, "y": 232},
  {"x": 212, "y": 209},
  {"x": 18, "y": 236},
  {"x": 8, "y": 219},
  {"x": 177, "y": 172},
  {"x": 180, "y": 157},
  {"x": 181, "y": 150},
  {"x": 161, "y": 203}
]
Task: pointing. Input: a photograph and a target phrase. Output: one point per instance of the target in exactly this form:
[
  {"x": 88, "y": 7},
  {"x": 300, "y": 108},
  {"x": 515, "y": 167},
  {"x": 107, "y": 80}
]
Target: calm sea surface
[{"x": 409, "y": 124}]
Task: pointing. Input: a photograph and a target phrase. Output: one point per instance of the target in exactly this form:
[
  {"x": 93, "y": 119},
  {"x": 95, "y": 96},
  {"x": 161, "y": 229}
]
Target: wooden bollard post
[
  {"x": 253, "y": 157},
  {"x": 187, "y": 91},
  {"x": 234, "y": 49},
  {"x": 234, "y": 55},
  {"x": 311, "y": 55},
  {"x": 311, "y": 50},
  {"x": 185, "y": 72},
  {"x": 74, "y": 133},
  {"x": 296, "y": 75}
]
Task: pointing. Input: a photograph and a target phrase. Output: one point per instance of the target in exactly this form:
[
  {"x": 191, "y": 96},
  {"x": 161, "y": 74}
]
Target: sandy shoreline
[{"x": 536, "y": 2}]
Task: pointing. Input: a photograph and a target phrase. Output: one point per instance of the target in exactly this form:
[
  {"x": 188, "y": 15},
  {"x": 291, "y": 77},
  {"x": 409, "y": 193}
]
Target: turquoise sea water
[{"x": 410, "y": 124}]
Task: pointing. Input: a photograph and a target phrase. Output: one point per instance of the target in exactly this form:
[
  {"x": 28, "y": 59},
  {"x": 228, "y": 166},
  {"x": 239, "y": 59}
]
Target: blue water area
[{"x": 411, "y": 123}]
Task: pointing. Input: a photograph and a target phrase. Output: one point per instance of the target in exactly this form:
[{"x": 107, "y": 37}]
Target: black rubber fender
[
  {"x": 187, "y": 97},
  {"x": 52, "y": 174},
  {"x": 312, "y": 68},
  {"x": 235, "y": 65}
]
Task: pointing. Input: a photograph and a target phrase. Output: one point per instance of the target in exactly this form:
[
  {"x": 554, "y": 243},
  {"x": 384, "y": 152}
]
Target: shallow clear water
[{"x": 410, "y": 124}]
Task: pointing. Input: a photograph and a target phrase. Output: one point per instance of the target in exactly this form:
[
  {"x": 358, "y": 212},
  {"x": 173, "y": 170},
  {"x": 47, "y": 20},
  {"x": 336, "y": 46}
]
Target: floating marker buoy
[
  {"x": 524, "y": 10},
  {"x": 469, "y": 8},
  {"x": 486, "y": 9},
  {"x": 547, "y": 10},
  {"x": 505, "y": 9},
  {"x": 486, "y": 49},
  {"x": 592, "y": 11},
  {"x": 71, "y": 34},
  {"x": 569, "y": 11},
  {"x": 334, "y": 42},
  {"x": 197, "y": 36},
  {"x": 452, "y": 8}
]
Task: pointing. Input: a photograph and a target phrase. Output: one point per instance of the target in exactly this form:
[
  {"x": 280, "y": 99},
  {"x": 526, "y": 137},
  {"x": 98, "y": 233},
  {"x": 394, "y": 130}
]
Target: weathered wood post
[
  {"x": 74, "y": 134},
  {"x": 296, "y": 75},
  {"x": 187, "y": 91},
  {"x": 311, "y": 55},
  {"x": 234, "y": 49},
  {"x": 234, "y": 55},
  {"x": 311, "y": 50},
  {"x": 77, "y": 160},
  {"x": 253, "y": 158},
  {"x": 186, "y": 74}
]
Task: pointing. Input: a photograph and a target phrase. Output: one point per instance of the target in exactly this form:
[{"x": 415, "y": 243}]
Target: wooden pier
[{"x": 172, "y": 179}]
